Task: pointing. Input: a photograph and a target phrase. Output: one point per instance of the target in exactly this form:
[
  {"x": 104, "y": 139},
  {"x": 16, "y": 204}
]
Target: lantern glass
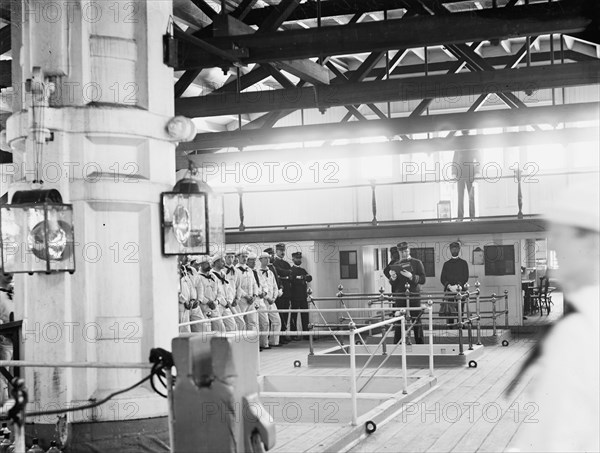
[
  {"x": 185, "y": 223},
  {"x": 37, "y": 237}
]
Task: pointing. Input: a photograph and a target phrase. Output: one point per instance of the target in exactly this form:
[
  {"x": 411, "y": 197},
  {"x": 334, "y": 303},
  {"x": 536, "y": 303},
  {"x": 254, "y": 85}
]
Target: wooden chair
[{"x": 542, "y": 296}]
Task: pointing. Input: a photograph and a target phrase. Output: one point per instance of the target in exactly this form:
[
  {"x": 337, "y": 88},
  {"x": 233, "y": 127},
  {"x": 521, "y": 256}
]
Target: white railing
[{"x": 353, "y": 384}]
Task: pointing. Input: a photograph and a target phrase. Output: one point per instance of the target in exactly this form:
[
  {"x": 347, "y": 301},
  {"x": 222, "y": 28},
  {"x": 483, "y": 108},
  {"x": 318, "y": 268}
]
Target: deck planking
[
  {"x": 457, "y": 386},
  {"x": 460, "y": 386}
]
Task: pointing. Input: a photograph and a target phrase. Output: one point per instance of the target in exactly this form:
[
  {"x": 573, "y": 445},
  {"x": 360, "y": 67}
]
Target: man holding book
[{"x": 407, "y": 270}]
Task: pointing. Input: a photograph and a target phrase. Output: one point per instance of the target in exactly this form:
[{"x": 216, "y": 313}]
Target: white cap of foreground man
[
  {"x": 564, "y": 395},
  {"x": 574, "y": 230}
]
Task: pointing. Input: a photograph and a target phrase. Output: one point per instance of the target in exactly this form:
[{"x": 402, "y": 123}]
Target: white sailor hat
[
  {"x": 201, "y": 259},
  {"x": 215, "y": 257},
  {"x": 252, "y": 256},
  {"x": 229, "y": 251},
  {"x": 264, "y": 255},
  {"x": 577, "y": 206}
]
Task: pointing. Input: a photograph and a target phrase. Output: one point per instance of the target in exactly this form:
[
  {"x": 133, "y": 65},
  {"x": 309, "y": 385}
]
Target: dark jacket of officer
[
  {"x": 415, "y": 267},
  {"x": 283, "y": 271},
  {"x": 299, "y": 279}
]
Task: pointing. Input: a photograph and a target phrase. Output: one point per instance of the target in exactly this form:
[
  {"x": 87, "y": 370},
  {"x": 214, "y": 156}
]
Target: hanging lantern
[
  {"x": 37, "y": 233},
  {"x": 192, "y": 219}
]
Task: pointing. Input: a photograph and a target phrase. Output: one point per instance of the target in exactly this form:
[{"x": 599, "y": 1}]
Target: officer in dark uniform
[
  {"x": 455, "y": 274},
  {"x": 394, "y": 258},
  {"x": 299, "y": 279},
  {"x": 407, "y": 270},
  {"x": 283, "y": 269}
]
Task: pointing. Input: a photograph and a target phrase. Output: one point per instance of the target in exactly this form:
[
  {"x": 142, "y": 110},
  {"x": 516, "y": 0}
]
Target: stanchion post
[
  {"x": 460, "y": 318},
  {"x": 478, "y": 309},
  {"x": 404, "y": 370},
  {"x": 169, "y": 378},
  {"x": 506, "y": 309},
  {"x": 339, "y": 295},
  {"x": 430, "y": 307},
  {"x": 494, "y": 333},
  {"x": 407, "y": 313},
  {"x": 469, "y": 325},
  {"x": 311, "y": 328},
  {"x": 383, "y": 331},
  {"x": 353, "y": 373}
]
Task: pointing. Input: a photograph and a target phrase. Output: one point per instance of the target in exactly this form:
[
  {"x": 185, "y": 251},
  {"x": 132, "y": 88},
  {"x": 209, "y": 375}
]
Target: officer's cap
[
  {"x": 297, "y": 255},
  {"x": 269, "y": 250},
  {"x": 280, "y": 246},
  {"x": 402, "y": 246}
]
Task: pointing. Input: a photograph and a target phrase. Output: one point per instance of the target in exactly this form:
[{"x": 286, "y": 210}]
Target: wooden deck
[{"x": 467, "y": 412}]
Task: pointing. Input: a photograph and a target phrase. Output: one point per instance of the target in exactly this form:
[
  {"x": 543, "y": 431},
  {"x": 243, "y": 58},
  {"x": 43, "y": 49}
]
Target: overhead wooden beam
[
  {"x": 462, "y": 142},
  {"x": 434, "y": 86},
  {"x": 205, "y": 8},
  {"x": 306, "y": 70},
  {"x": 279, "y": 14},
  {"x": 185, "y": 81},
  {"x": 303, "y": 69},
  {"x": 499, "y": 23},
  {"x": 391, "y": 127},
  {"x": 446, "y": 66},
  {"x": 244, "y": 9},
  {"x": 330, "y": 8},
  {"x": 246, "y": 80},
  {"x": 270, "y": 119}
]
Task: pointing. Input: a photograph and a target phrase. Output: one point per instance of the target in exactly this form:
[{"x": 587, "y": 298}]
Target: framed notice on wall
[
  {"x": 444, "y": 209},
  {"x": 478, "y": 256}
]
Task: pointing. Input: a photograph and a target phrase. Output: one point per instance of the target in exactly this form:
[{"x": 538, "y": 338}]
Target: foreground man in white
[{"x": 565, "y": 388}]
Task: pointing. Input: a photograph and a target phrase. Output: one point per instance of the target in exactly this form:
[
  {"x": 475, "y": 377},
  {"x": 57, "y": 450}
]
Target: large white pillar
[{"x": 110, "y": 156}]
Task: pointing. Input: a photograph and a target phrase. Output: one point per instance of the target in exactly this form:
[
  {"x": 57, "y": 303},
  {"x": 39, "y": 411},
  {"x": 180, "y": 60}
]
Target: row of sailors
[{"x": 213, "y": 287}]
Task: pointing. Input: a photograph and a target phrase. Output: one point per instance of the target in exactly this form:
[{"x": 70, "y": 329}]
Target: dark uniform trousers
[
  {"x": 283, "y": 301},
  {"x": 299, "y": 304},
  {"x": 410, "y": 316}
]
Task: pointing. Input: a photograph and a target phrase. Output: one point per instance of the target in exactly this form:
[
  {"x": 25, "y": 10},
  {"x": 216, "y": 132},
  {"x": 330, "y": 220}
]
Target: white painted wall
[{"x": 325, "y": 268}]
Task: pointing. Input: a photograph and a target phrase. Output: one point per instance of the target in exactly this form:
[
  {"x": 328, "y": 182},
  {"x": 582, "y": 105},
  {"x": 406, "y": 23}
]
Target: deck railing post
[
  {"x": 478, "y": 309},
  {"x": 169, "y": 378},
  {"x": 407, "y": 314},
  {"x": 494, "y": 333},
  {"x": 460, "y": 319},
  {"x": 404, "y": 370},
  {"x": 353, "y": 373},
  {"x": 506, "y": 309},
  {"x": 430, "y": 316},
  {"x": 469, "y": 325},
  {"x": 382, "y": 300}
]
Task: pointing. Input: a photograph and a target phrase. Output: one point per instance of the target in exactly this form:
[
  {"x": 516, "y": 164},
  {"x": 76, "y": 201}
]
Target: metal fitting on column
[{"x": 181, "y": 129}]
